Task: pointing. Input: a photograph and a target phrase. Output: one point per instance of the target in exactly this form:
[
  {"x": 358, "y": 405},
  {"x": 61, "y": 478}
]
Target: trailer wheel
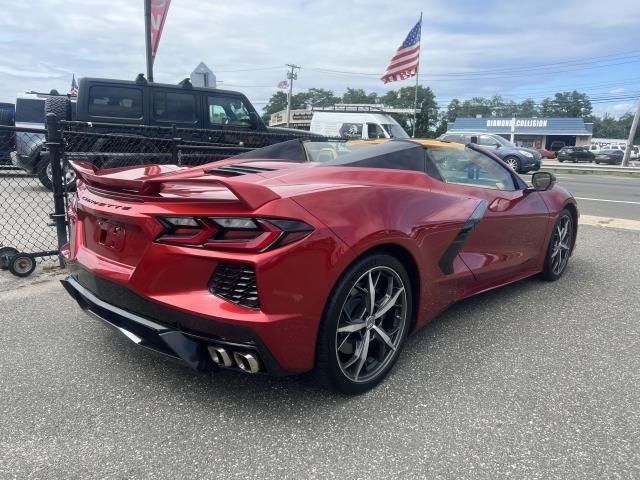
[
  {"x": 6, "y": 253},
  {"x": 22, "y": 265}
]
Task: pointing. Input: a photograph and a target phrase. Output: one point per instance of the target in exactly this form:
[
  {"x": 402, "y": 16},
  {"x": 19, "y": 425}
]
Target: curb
[
  {"x": 619, "y": 171},
  {"x": 607, "y": 222}
]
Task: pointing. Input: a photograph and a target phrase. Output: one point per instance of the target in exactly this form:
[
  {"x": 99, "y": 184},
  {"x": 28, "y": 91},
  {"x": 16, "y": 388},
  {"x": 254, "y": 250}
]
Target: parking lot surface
[{"x": 535, "y": 380}]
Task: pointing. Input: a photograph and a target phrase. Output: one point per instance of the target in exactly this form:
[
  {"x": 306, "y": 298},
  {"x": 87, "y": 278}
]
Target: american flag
[
  {"x": 283, "y": 85},
  {"x": 404, "y": 63},
  {"x": 74, "y": 87}
]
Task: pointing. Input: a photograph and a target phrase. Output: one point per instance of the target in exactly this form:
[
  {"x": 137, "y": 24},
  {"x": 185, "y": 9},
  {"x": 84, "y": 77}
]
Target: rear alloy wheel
[
  {"x": 365, "y": 324},
  {"x": 559, "y": 248}
]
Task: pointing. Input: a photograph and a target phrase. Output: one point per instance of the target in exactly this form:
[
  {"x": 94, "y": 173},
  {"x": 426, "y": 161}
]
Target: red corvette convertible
[{"x": 313, "y": 257}]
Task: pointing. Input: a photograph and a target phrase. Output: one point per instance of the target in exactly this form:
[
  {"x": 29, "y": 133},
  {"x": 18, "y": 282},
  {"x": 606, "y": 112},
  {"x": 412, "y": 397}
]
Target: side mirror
[
  {"x": 542, "y": 181},
  {"x": 497, "y": 145}
]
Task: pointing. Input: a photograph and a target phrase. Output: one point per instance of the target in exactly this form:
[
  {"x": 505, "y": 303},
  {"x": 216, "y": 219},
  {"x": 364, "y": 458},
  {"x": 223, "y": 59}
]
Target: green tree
[
  {"x": 426, "y": 120},
  {"x": 449, "y": 116},
  {"x": 319, "y": 97},
  {"x": 609, "y": 127},
  {"x": 567, "y": 104},
  {"x": 528, "y": 108},
  {"x": 278, "y": 102},
  {"x": 358, "y": 95}
]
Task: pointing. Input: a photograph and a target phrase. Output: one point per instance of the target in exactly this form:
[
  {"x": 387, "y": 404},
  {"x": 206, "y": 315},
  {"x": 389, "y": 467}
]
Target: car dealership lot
[{"x": 535, "y": 380}]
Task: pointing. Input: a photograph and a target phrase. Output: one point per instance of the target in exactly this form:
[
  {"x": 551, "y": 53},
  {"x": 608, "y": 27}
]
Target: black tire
[
  {"x": 6, "y": 253},
  {"x": 514, "y": 162},
  {"x": 330, "y": 371},
  {"x": 44, "y": 174},
  {"x": 550, "y": 273},
  {"x": 60, "y": 106},
  {"x": 560, "y": 160},
  {"x": 6, "y": 117},
  {"x": 22, "y": 265}
]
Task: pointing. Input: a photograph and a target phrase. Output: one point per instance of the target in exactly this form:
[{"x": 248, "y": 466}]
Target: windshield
[{"x": 395, "y": 131}]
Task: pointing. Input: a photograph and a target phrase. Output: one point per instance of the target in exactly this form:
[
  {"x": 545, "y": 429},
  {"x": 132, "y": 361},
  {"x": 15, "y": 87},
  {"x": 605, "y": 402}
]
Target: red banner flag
[{"x": 159, "y": 10}]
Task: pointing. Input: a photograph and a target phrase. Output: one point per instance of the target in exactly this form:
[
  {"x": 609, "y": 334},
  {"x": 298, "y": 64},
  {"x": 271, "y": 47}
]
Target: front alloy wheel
[
  {"x": 560, "y": 247},
  {"x": 513, "y": 162},
  {"x": 365, "y": 324}
]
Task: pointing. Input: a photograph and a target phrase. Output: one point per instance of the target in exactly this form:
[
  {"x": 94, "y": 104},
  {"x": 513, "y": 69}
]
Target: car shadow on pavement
[{"x": 467, "y": 330}]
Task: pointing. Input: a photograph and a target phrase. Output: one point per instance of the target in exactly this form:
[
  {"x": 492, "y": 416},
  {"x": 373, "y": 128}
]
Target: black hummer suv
[{"x": 203, "y": 115}]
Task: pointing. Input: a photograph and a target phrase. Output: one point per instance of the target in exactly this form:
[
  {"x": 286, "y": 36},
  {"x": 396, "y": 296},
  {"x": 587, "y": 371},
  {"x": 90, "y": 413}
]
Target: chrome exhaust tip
[
  {"x": 247, "y": 362},
  {"x": 220, "y": 356}
]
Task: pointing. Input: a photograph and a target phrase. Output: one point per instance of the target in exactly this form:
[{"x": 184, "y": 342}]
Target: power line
[
  {"x": 499, "y": 73},
  {"x": 249, "y": 69}
]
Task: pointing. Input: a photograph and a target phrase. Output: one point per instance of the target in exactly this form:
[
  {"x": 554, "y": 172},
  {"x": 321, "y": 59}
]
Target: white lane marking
[
  {"x": 605, "y": 200},
  {"x": 609, "y": 222}
]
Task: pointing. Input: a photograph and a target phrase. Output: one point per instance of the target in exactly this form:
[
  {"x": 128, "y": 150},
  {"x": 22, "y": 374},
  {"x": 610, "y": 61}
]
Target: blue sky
[{"x": 468, "y": 48}]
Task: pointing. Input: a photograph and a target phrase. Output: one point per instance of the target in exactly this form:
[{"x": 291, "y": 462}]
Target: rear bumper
[{"x": 191, "y": 347}]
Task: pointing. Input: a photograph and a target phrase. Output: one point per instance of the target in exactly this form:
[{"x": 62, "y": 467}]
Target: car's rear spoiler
[{"x": 252, "y": 195}]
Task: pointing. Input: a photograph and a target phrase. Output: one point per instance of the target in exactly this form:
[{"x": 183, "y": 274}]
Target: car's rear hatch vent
[{"x": 236, "y": 170}]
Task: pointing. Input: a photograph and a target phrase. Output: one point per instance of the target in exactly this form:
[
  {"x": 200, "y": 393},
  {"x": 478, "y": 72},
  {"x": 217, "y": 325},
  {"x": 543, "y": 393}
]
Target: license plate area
[{"x": 111, "y": 235}]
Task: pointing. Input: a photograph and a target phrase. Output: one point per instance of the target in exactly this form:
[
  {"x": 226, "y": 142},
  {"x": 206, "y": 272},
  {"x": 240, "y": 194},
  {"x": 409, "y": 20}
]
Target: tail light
[{"x": 232, "y": 233}]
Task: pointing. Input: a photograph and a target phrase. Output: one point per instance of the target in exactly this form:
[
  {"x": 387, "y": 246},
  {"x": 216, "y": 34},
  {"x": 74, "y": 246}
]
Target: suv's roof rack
[
  {"x": 362, "y": 108},
  {"x": 52, "y": 93}
]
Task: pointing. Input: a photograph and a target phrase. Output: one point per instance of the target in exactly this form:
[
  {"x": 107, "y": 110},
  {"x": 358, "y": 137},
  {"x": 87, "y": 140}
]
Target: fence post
[
  {"x": 175, "y": 158},
  {"x": 54, "y": 147}
]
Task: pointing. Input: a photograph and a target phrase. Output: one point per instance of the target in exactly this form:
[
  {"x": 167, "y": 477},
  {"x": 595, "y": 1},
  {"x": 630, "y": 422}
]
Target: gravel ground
[{"x": 534, "y": 380}]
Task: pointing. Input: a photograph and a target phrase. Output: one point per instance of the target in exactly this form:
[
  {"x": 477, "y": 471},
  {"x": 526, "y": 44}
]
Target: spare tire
[
  {"x": 6, "y": 116},
  {"x": 60, "y": 106}
]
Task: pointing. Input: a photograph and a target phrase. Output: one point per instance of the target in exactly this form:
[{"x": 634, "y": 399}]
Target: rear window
[
  {"x": 29, "y": 110},
  {"x": 115, "y": 102},
  {"x": 174, "y": 107}
]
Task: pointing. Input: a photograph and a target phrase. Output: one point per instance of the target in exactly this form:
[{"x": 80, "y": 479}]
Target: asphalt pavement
[{"x": 535, "y": 380}]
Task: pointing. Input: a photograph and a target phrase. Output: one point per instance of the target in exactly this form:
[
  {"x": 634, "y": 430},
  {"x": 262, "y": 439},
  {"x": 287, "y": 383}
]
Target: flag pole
[
  {"x": 415, "y": 93},
  {"x": 147, "y": 39}
]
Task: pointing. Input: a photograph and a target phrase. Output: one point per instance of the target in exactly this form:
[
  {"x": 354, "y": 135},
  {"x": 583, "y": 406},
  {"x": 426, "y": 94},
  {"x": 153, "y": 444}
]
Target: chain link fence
[
  {"x": 117, "y": 145},
  {"x": 26, "y": 203},
  {"x": 36, "y": 178}
]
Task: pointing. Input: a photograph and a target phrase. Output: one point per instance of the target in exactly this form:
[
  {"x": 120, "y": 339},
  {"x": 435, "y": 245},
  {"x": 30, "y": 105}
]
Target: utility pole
[
  {"x": 632, "y": 136},
  {"x": 291, "y": 76}
]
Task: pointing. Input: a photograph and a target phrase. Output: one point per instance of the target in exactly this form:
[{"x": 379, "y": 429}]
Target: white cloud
[{"x": 44, "y": 41}]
